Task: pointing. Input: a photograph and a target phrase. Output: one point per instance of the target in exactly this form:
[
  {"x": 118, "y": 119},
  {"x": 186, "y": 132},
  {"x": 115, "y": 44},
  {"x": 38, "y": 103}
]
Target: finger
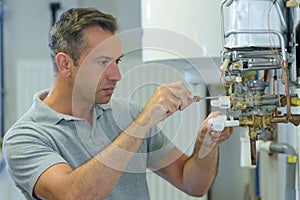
[
  {"x": 179, "y": 90},
  {"x": 176, "y": 84},
  {"x": 228, "y": 132},
  {"x": 215, "y": 134},
  {"x": 169, "y": 94},
  {"x": 225, "y": 134},
  {"x": 170, "y": 103}
]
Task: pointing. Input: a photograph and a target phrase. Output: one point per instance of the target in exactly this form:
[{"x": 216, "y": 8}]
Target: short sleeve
[{"x": 27, "y": 156}]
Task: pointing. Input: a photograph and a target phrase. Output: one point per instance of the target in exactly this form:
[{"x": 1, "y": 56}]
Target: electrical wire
[{"x": 284, "y": 69}]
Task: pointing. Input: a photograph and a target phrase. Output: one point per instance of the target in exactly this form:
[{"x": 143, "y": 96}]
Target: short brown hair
[{"x": 66, "y": 35}]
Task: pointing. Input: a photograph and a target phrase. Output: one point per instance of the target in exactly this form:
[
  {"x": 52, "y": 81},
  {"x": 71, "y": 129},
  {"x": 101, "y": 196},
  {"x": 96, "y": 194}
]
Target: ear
[{"x": 63, "y": 62}]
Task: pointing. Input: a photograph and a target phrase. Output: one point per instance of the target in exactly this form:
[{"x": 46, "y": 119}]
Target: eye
[
  {"x": 103, "y": 62},
  {"x": 118, "y": 60}
]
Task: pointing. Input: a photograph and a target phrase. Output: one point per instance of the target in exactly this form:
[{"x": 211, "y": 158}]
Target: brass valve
[{"x": 256, "y": 123}]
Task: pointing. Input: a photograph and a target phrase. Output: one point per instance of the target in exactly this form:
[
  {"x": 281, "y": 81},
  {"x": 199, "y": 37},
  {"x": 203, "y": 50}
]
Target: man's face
[{"x": 98, "y": 72}]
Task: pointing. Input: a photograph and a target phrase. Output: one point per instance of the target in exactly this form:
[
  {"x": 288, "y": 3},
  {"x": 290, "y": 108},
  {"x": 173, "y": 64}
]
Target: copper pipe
[
  {"x": 275, "y": 91},
  {"x": 275, "y": 112},
  {"x": 295, "y": 119},
  {"x": 286, "y": 86},
  {"x": 278, "y": 119},
  {"x": 266, "y": 75},
  {"x": 253, "y": 151}
]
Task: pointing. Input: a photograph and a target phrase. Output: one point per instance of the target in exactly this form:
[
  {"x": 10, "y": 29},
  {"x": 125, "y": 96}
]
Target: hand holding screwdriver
[{"x": 167, "y": 99}]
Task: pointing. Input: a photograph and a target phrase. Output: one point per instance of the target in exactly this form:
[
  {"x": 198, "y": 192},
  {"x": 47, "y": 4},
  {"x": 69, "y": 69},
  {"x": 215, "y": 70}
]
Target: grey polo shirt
[{"x": 44, "y": 137}]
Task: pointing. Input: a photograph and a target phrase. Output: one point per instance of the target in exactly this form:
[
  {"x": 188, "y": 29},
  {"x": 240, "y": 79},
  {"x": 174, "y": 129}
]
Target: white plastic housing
[{"x": 172, "y": 28}]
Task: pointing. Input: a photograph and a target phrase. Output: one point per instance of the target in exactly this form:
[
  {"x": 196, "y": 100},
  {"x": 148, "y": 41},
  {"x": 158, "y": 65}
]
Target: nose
[{"x": 113, "y": 72}]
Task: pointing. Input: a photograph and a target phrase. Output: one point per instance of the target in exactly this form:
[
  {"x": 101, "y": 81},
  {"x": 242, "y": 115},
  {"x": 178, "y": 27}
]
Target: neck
[{"x": 61, "y": 99}]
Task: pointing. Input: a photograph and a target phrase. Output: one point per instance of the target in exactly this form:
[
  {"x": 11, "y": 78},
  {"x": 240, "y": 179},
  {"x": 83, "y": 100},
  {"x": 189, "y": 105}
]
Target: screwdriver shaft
[{"x": 198, "y": 98}]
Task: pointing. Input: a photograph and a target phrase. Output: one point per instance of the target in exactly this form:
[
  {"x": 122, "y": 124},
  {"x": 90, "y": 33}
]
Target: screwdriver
[{"x": 197, "y": 98}]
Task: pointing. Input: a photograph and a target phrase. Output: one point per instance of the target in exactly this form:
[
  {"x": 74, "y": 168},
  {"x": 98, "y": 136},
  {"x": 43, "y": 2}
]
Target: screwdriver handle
[{"x": 195, "y": 99}]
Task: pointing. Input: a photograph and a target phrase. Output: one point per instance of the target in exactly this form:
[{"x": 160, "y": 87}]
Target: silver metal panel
[{"x": 255, "y": 15}]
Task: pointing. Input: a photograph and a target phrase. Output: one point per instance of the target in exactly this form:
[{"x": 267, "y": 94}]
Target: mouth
[{"x": 109, "y": 90}]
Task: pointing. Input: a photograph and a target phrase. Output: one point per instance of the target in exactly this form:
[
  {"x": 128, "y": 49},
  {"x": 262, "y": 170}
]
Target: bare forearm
[
  {"x": 93, "y": 180},
  {"x": 199, "y": 174},
  {"x": 201, "y": 168}
]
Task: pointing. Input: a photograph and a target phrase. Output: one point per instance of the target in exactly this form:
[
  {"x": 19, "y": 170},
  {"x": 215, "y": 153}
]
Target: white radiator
[{"x": 32, "y": 76}]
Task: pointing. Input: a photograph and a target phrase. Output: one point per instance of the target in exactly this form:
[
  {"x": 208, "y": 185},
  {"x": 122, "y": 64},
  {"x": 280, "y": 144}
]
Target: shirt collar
[{"x": 42, "y": 112}]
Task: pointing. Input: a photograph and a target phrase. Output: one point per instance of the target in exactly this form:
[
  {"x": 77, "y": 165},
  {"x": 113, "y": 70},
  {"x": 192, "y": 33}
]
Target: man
[{"x": 69, "y": 145}]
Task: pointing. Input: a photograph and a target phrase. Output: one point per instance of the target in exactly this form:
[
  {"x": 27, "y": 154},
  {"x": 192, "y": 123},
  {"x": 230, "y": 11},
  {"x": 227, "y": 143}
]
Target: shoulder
[
  {"x": 22, "y": 133},
  {"x": 28, "y": 129}
]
